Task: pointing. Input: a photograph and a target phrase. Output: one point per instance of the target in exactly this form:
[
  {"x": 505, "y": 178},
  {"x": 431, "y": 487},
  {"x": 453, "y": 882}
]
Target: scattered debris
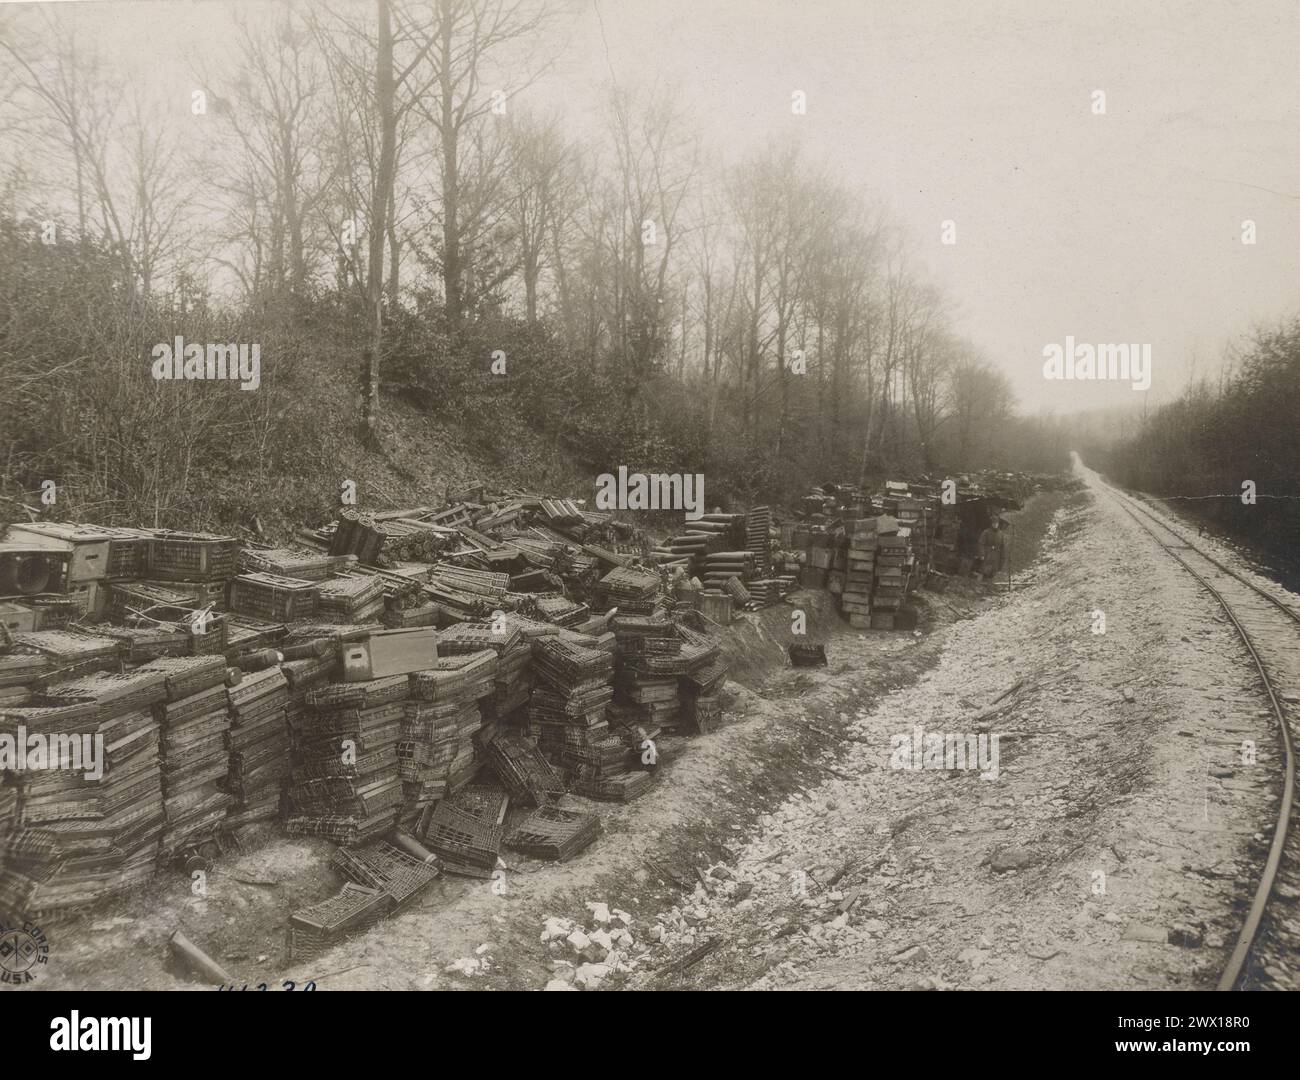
[
  {"x": 1143, "y": 932},
  {"x": 1010, "y": 859},
  {"x": 195, "y": 960},
  {"x": 807, "y": 655}
]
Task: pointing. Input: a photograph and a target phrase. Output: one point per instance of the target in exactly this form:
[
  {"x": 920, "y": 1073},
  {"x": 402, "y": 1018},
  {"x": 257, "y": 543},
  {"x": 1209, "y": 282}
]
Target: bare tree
[
  {"x": 160, "y": 195},
  {"x": 543, "y": 176},
  {"x": 274, "y": 109},
  {"x": 655, "y": 164},
  {"x": 980, "y": 398},
  {"x": 374, "y": 93},
  {"x": 463, "y": 39},
  {"x": 750, "y": 209},
  {"x": 128, "y": 184},
  {"x": 930, "y": 356},
  {"x": 78, "y": 99}
]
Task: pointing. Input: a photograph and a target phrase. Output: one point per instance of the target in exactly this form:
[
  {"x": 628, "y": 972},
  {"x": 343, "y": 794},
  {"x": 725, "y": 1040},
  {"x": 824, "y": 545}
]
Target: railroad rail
[{"x": 1266, "y": 625}]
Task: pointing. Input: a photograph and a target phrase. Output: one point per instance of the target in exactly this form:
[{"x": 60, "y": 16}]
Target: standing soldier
[{"x": 993, "y": 548}]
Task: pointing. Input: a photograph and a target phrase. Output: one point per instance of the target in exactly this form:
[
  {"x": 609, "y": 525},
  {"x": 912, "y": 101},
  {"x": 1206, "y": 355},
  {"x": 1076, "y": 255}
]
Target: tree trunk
[
  {"x": 380, "y": 199},
  {"x": 394, "y": 262},
  {"x": 532, "y": 270},
  {"x": 293, "y": 218},
  {"x": 451, "y": 268},
  {"x": 562, "y": 280}
]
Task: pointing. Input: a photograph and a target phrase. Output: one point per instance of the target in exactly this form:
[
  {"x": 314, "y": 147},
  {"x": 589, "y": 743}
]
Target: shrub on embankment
[{"x": 84, "y": 412}]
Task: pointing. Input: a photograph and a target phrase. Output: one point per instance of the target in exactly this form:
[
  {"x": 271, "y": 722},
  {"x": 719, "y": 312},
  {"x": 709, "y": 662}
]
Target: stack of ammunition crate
[
  {"x": 647, "y": 697},
  {"x": 855, "y": 600},
  {"x": 768, "y": 591},
  {"x": 512, "y": 687},
  {"x": 758, "y": 536},
  {"x": 721, "y": 567},
  {"x": 143, "y": 643},
  {"x": 197, "y": 595},
  {"x": 702, "y": 539},
  {"x": 894, "y": 563},
  {"x": 195, "y": 756},
  {"x": 700, "y": 686},
  {"x": 821, "y": 549},
  {"x": 383, "y": 543},
  {"x": 561, "y": 612},
  {"x": 351, "y": 598},
  {"x": 631, "y": 589},
  {"x": 914, "y": 515},
  {"x": 437, "y": 753},
  {"x": 606, "y": 768},
  {"x": 27, "y": 855},
  {"x": 259, "y": 744},
  {"x": 646, "y": 675},
  {"x": 103, "y": 832},
  {"x": 570, "y": 695},
  {"x": 491, "y": 586},
  {"x": 345, "y": 782},
  {"x": 510, "y": 675}
]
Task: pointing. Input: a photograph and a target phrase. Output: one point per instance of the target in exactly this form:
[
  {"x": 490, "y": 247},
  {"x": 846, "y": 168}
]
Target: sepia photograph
[{"x": 651, "y": 495}]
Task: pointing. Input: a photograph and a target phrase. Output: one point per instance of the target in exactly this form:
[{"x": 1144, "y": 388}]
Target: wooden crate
[
  {"x": 716, "y": 607},
  {"x": 271, "y": 596},
  {"x": 28, "y": 568},
  {"x": 128, "y": 551},
  {"x": 17, "y": 617},
  {"x": 200, "y": 594},
  {"x": 153, "y": 601},
  {"x": 191, "y": 556},
  {"x": 86, "y": 547},
  {"x": 90, "y": 597},
  {"x": 811, "y": 577},
  {"x": 390, "y": 652}
]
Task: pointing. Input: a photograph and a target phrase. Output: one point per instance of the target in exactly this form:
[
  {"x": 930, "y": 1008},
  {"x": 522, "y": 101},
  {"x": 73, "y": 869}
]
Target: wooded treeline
[
  {"x": 375, "y": 192},
  {"x": 1243, "y": 425}
]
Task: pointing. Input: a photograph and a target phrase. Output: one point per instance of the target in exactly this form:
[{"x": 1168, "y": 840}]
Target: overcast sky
[{"x": 1124, "y": 227}]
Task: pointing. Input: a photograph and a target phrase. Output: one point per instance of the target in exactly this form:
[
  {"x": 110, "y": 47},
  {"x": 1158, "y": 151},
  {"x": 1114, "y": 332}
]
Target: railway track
[{"x": 1269, "y": 627}]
